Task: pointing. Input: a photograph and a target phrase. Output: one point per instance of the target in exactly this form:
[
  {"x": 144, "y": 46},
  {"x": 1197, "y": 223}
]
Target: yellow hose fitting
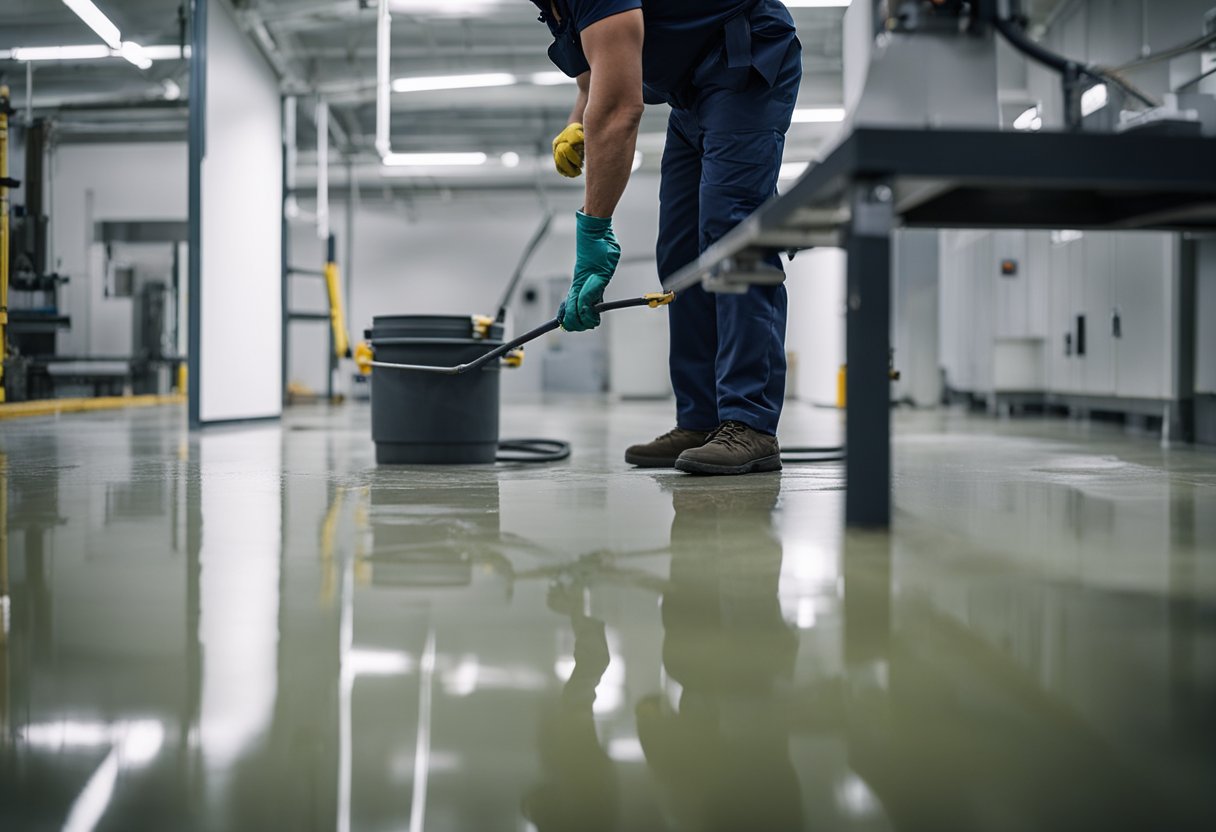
[
  {"x": 515, "y": 358},
  {"x": 364, "y": 357},
  {"x": 481, "y": 326},
  {"x": 657, "y": 299}
]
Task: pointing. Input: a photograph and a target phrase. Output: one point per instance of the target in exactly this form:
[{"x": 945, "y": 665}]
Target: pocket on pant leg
[{"x": 739, "y": 173}]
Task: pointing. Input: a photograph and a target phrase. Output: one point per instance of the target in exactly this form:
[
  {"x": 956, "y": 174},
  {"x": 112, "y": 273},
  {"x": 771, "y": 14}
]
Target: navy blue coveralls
[{"x": 730, "y": 69}]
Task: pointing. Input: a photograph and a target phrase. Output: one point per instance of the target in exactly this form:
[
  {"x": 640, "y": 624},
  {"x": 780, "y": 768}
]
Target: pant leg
[
  {"x": 692, "y": 319},
  {"x": 744, "y": 139}
]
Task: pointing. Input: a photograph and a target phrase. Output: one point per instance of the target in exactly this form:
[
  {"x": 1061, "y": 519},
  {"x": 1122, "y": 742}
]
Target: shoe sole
[
  {"x": 756, "y": 466},
  {"x": 650, "y": 461}
]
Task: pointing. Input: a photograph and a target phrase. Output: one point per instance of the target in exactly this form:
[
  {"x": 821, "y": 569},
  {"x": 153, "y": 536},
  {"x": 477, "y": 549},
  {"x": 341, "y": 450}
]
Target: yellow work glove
[{"x": 568, "y": 151}]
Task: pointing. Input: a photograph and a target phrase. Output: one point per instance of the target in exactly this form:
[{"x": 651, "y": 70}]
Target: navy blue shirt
[{"x": 682, "y": 37}]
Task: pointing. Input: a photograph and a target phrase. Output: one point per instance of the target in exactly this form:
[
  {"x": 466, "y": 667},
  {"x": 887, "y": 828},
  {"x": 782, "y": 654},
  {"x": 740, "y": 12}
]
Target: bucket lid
[{"x": 430, "y": 326}]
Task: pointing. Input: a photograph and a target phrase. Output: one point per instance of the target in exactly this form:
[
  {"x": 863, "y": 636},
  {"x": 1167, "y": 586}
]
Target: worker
[{"x": 730, "y": 70}]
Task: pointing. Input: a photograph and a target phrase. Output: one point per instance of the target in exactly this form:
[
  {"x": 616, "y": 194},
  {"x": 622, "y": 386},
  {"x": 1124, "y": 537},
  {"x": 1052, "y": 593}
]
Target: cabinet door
[
  {"x": 1145, "y": 277},
  {"x": 1093, "y": 315},
  {"x": 1064, "y": 261},
  {"x": 983, "y": 289},
  {"x": 1038, "y": 284}
]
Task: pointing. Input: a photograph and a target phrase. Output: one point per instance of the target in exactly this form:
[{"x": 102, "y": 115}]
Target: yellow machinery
[
  {"x": 333, "y": 286},
  {"x": 335, "y": 315}
]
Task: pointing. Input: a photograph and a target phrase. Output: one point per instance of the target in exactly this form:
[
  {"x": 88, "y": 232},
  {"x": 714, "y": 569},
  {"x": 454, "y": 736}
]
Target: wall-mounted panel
[{"x": 237, "y": 131}]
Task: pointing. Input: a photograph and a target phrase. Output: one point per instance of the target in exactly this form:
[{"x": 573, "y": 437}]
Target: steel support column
[{"x": 868, "y": 418}]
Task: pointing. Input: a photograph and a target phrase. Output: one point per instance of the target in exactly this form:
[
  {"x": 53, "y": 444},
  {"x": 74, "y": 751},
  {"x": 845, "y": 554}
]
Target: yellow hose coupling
[
  {"x": 364, "y": 357},
  {"x": 515, "y": 358},
  {"x": 481, "y": 326},
  {"x": 657, "y": 299}
]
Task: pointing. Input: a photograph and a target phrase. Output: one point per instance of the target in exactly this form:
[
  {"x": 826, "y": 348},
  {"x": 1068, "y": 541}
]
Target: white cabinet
[
  {"x": 1141, "y": 316},
  {"x": 1088, "y": 314},
  {"x": 1066, "y": 261},
  {"x": 1094, "y": 344},
  {"x": 1205, "y": 337}
]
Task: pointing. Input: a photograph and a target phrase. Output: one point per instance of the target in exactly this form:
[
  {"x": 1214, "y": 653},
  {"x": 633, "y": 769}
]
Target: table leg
[{"x": 868, "y": 417}]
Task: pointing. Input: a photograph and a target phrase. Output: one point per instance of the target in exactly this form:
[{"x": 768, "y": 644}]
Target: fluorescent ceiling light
[
  {"x": 134, "y": 53},
  {"x": 166, "y": 53},
  {"x": 453, "y": 82},
  {"x": 94, "y": 52},
  {"x": 510, "y": 159},
  {"x": 434, "y": 160},
  {"x": 447, "y": 8},
  {"x": 97, "y": 21},
  {"x": 90, "y": 52},
  {"x": 551, "y": 79},
  {"x": 818, "y": 115},
  {"x": 1094, "y": 99}
]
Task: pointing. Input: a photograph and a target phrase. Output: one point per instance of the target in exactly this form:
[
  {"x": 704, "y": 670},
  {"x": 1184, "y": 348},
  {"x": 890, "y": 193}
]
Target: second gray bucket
[{"x": 428, "y": 418}]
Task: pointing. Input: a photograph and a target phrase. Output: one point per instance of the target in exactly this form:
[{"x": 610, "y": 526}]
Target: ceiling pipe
[
  {"x": 322, "y": 119},
  {"x": 384, "y": 25}
]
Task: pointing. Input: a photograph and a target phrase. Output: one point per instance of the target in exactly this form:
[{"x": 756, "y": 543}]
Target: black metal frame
[
  {"x": 198, "y": 137},
  {"x": 878, "y": 179}
]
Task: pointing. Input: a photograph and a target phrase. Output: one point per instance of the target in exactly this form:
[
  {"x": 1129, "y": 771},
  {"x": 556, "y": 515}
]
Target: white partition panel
[{"x": 240, "y": 188}]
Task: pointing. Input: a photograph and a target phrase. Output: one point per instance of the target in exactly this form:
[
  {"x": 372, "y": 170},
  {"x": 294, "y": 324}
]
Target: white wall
[
  {"x": 94, "y": 183},
  {"x": 432, "y": 256},
  {"x": 240, "y": 283},
  {"x": 915, "y": 279},
  {"x": 437, "y": 256},
  {"x": 815, "y": 332}
]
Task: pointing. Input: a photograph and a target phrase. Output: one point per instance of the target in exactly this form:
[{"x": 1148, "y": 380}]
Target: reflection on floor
[{"x": 257, "y": 629}]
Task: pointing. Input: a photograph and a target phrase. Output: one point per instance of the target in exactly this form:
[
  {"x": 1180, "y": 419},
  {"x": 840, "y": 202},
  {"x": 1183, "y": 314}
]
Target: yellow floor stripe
[{"x": 55, "y": 407}]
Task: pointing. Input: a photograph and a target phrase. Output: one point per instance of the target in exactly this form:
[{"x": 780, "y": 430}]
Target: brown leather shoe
[
  {"x": 662, "y": 452},
  {"x": 733, "y": 448}
]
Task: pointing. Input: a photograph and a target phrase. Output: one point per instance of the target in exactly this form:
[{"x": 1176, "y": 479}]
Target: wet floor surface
[{"x": 258, "y": 629}]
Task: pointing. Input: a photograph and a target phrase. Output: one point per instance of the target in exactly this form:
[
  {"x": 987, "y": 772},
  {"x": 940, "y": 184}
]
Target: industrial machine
[
  {"x": 925, "y": 149},
  {"x": 143, "y": 261},
  {"x": 33, "y": 288}
]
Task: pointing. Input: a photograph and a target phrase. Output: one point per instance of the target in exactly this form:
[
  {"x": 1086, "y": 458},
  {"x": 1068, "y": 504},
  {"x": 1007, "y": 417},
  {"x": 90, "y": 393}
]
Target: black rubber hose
[
  {"x": 533, "y": 450},
  {"x": 544, "y": 329},
  {"x": 810, "y": 455},
  {"x": 1019, "y": 40}
]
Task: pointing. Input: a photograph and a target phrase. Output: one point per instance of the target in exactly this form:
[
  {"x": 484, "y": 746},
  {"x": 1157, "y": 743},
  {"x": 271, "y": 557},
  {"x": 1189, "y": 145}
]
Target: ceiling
[{"x": 326, "y": 49}]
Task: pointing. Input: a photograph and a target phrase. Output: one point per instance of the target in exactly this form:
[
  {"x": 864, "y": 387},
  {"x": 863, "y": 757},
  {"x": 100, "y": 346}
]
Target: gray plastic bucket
[{"x": 428, "y": 418}]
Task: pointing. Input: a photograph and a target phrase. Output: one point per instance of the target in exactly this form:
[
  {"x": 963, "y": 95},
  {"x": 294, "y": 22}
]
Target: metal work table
[{"x": 878, "y": 179}]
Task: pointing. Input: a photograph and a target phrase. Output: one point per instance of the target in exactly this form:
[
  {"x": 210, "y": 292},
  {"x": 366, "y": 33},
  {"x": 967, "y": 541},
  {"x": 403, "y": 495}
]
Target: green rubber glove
[{"x": 598, "y": 254}]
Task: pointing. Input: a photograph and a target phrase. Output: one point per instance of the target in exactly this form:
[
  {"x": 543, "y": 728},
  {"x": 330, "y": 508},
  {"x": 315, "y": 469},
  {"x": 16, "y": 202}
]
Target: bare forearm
[
  {"x": 580, "y": 103},
  {"x": 612, "y": 135},
  {"x": 614, "y": 107}
]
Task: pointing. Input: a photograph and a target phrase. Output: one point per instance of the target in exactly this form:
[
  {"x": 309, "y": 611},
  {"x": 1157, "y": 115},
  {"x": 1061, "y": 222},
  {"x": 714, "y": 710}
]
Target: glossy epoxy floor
[{"x": 257, "y": 629}]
